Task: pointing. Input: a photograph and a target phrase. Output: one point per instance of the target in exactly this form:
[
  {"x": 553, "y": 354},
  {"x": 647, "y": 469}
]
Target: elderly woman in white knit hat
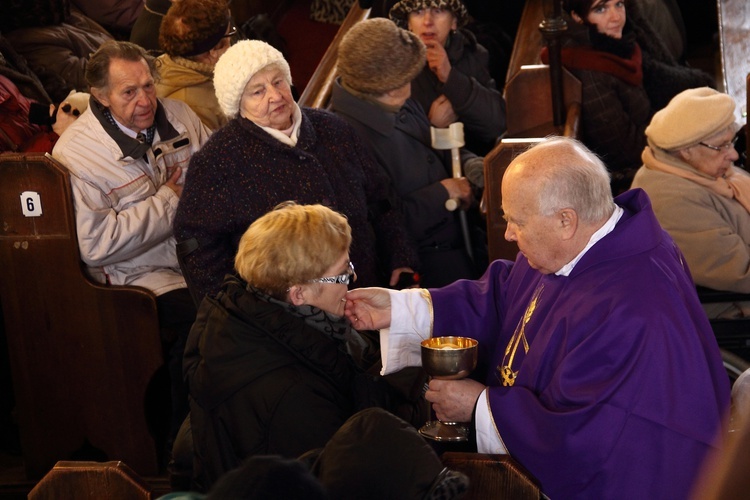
[
  {"x": 272, "y": 151},
  {"x": 698, "y": 195},
  {"x": 455, "y": 83},
  {"x": 376, "y": 64}
]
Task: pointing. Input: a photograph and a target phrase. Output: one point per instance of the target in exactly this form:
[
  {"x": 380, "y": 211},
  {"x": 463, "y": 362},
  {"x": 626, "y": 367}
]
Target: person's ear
[
  {"x": 685, "y": 154},
  {"x": 100, "y": 96},
  {"x": 568, "y": 222},
  {"x": 297, "y": 295}
]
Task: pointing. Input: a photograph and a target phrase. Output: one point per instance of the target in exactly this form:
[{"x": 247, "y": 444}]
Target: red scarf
[{"x": 628, "y": 70}]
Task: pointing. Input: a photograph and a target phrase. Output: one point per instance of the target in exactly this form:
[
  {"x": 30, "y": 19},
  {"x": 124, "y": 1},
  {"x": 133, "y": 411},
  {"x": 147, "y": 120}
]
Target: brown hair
[
  {"x": 581, "y": 7},
  {"x": 97, "y": 70},
  {"x": 189, "y": 24},
  {"x": 290, "y": 245}
]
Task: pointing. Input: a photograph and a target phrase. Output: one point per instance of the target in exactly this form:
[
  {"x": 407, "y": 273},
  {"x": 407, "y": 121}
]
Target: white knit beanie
[
  {"x": 690, "y": 117},
  {"x": 238, "y": 65}
]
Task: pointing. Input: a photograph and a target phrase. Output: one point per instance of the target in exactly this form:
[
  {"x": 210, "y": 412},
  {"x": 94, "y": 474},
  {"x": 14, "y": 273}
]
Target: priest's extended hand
[{"x": 368, "y": 308}]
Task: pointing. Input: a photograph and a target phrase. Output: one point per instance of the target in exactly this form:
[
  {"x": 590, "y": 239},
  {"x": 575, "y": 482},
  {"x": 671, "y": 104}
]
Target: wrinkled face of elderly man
[
  {"x": 539, "y": 237},
  {"x": 130, "y": 94}
]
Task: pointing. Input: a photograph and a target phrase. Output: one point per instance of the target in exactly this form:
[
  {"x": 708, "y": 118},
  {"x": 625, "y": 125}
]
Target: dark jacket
[
  {"x": 401, "y": 145},
  {"x": 470, "y": 89},
  {"x": 242, "y": 173},
  {"x": 615, "y": 107},
  {"x": 263, "y": 381},
  {"x": 663, "y": 76}
]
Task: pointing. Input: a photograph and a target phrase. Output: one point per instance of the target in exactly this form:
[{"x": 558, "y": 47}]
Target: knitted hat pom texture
[{"x": 238, "y": 65}]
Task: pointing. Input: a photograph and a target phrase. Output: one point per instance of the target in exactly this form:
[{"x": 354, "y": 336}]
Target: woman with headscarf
[
  {"x": 455, "y": 84},
  {"x": 194, "y": 34},
  {"x": 272, "y": 151},
  {"x": 274, "y": 367},
  {"x": 700, "y": 198}
]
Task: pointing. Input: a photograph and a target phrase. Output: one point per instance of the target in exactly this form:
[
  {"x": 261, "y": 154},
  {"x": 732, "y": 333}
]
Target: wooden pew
[
  {"x": 529, "y": 108},
  {"x": 493, "y": 476},
  {"x": 91, "y": 481},
  {"x": 83, "y": 355},
  {"x": 317, "y": 93}
]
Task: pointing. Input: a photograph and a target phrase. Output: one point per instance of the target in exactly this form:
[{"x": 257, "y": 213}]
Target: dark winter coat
[
  {"x": 264, "y": 382},
  {"x": 401, "y": 145},
  {"x": 470, "y": 89},
  {"x": 243, "y": 172}
]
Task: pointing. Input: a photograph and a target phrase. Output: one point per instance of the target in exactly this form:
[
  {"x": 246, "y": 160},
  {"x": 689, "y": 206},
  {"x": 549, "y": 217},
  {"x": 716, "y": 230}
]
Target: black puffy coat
[{"x": 262, "y": 381}]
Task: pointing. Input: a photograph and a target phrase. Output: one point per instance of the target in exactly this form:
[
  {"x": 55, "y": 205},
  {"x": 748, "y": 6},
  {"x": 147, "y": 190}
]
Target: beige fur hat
[
  {"x": 238, "y": 65},
  {"x": 376, "y": 56},
  {"x": 399, "y": 13},
  {"x": 690, "y": 117}
]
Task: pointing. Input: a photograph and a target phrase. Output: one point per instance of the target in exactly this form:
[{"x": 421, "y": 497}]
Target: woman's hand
[
  {"x": 438, "y": 62},
  {"x": 441, "y": 113},
  {"x": 368, "y": 308}
]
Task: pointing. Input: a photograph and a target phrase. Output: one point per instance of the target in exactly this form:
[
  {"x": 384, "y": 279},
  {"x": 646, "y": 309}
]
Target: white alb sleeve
[
  {"x": 488, "y": 438},
  {"x": 411, "y": 323}
]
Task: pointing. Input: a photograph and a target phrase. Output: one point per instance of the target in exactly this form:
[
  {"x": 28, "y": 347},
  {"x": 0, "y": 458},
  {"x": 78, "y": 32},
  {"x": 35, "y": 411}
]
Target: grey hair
[
  {"x": 580, "y": 181},
  {"x": 97, "y": 69}
]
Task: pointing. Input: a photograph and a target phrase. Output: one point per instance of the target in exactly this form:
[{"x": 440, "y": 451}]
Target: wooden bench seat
[{"x": 82, "y": 355}]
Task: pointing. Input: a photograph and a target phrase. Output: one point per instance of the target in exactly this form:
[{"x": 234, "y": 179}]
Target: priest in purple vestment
[{"x": 598, "y": 370}]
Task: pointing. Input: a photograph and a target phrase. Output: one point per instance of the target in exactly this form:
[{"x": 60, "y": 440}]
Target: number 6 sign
[{"x": 31, "y": 204}]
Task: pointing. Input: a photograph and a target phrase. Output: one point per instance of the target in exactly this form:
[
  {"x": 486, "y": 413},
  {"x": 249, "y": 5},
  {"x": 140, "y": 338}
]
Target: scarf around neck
[
  {"x": 331, "y": 325},
  {"x": 619, "y": 57},
  {"x": 734, "y": 184}
]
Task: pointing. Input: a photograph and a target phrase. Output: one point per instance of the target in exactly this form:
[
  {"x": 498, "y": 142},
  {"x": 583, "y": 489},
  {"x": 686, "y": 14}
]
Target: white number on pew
[{"x": 31, "y": 204}]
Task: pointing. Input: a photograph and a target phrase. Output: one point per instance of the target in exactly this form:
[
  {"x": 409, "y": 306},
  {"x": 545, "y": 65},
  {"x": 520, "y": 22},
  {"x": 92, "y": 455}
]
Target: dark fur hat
[
  {"x": 399, "y": 13},
  {"x": 376, "y": 56}
]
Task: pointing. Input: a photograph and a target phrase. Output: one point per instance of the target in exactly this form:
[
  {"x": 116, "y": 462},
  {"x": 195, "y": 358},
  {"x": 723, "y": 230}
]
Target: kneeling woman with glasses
[{"x": 273, "y": 366}]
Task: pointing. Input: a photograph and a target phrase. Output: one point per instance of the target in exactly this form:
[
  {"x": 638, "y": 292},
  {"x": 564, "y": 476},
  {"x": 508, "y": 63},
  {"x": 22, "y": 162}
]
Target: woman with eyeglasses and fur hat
[
  {"x": 699, "y": 196},
  {"x": 455, "y": 84},
  {"x": 273, "y": 366},
  {"x": 271, "y": 150}
]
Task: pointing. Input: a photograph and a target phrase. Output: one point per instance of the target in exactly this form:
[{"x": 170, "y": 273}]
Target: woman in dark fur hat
[{"x": 455, "y": 84}]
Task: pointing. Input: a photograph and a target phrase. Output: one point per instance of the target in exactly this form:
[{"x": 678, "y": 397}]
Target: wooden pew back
[
  {"x": 82, "y": 354},
  {"x": 317, "y": 93},
  {"x": 91, "y": 481},
  {"x": 493, "y": 476}
]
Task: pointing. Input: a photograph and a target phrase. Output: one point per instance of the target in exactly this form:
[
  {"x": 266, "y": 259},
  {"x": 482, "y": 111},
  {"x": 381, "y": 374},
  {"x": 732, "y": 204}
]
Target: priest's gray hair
[{"x": 576, "y": 179}]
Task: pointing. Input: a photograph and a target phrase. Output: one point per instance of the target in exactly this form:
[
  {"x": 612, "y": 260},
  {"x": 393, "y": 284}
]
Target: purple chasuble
[{"x": 622, "y": 392}]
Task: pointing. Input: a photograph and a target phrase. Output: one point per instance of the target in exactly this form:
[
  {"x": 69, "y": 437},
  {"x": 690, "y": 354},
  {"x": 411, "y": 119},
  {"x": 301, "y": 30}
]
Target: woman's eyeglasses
[
  {"x": 232, "y": 32},
  {"x": 722, "y": 147},
  {"x": 341, "y": 279}
]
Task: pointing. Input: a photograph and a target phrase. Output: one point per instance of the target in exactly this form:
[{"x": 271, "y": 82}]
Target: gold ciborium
[{"x": 448, "y": 358}]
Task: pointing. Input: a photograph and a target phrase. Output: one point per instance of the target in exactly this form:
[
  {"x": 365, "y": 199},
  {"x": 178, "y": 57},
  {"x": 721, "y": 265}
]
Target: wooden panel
[
  {"x": 91, "y": 481},
  {"x": 734, "y": 41},
  {"x": 495, "y": 164},
  {"x": 493, "y": 476},
  {"x": 317, "y": 93},
  {"x": 528, "y": 97},
  {"x": 82, "y": 354},
  {"x": 529, "y": 42}
]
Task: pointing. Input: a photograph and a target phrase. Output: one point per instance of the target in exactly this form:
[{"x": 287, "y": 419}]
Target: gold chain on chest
[{"x": 507, "y": 375}]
